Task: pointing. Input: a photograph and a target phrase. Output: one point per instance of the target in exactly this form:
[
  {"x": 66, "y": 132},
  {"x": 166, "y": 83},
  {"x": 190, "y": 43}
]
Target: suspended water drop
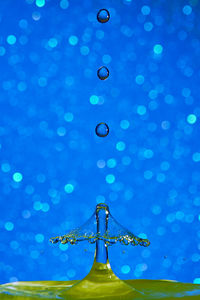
[
  {"x": 103, "y": 15},
  {"x": 103, "y": 73},
  {"x": 102, "y": 129}
]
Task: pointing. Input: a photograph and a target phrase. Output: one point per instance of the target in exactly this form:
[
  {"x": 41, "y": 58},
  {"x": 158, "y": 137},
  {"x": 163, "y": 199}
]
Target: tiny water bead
[
  {"x": 103, "y": 15},
  {"x": 102, "y": 129},
  {"x": 103, "y": 73}
]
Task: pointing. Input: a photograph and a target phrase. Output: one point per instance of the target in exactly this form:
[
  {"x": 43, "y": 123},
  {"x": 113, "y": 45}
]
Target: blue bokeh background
[{"x": 54, "y": 169}]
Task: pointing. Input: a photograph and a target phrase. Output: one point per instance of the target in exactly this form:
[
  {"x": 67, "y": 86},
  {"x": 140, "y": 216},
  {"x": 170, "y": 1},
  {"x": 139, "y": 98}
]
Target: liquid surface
[
  {"x": 100, "y": 283},
  {"x": 153, "y": 289}
]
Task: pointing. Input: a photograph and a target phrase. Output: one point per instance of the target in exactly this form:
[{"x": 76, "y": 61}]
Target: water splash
[
  {"x": 89, "y": 231},
  {"x": 101, "y": 282}
]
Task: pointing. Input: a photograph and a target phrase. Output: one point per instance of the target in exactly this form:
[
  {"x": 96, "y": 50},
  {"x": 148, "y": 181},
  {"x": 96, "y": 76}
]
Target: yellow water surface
[{"x": 100, "y": 283}]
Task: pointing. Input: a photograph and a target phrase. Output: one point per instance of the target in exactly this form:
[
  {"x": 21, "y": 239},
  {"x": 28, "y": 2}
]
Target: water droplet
[
  {"x": 102, "y": 129},
  {"x": 103, "y": 73},
  {"x": 103, "y": 15}
]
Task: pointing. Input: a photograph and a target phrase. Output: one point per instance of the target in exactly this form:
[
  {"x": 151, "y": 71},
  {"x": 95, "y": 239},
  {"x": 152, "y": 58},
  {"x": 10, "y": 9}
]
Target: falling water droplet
[
  {"x": 103, "y": 73},
  {"x": 102, "y": 129},
  {"x": 103, "y": 15}
]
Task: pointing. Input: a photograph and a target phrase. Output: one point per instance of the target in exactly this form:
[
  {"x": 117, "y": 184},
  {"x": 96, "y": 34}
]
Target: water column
[{"x": 102, "y": 214}]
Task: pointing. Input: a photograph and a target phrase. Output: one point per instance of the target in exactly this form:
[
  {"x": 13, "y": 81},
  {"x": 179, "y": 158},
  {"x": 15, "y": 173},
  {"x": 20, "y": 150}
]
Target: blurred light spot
[
  {"x": 125, "y": 269},
  {"x": 17, "y": 177},
  {"x": 73, "y": 40},
  {"x": 113, "y": 196},
  {"x": 196, "y": 156},
  {"x": 167, "y": 263},
  {"x": 29, "y": 189},
  {"x": 148, "y": 26},
  {"x": 35, "y": 254},
  {"x": 5, "y": 167},
  {"x": 195, "y": 257},
  {"x": 186, "y": 92},
  {"x": 191, "y": 119},
  {"x": 42, "y": 81},
  {"x": 26, "y": 214},
  {"x": 69, "y": 188},
  {"x": 101, "y": 163},
  {"x": 23, "y": 24},
  {"x": 180, "y": 215},
  {"x": 156, "y": 209},
  {"x": 100, "y": 199},
  {"x": 145, "y": 10},
  {"x": 128, "y": 194},
  {"x": 68, "y": 117},
  {"x": 189, "y": 218},
  {"x": 196, "y": 281},
  {"x": 40, "y": 3},
  {"x": 170, "y": 218},
  {"x": 39, "y": 238},
  {"x": 158, "y": 49},
  {"x": 106, "y": 59},
  {"x": 187, "y": 9},
  {"x": 64, "y": 4},
  {"x": 160, "y": 177},
  {"x": 71, "y": 273},
  {"x": 41, "y": 178},
  {"x": 21, "y": 86},
  {"x": 139, "y": 79},
  {"x": 124, "y": 124},
  {"x": 153, "y": 94},
  {"x": 110, "y": 178},
  {"x": 126, "y": 160},
  {"x": 169, "y": 99},
  {"x": 146, "y": 253},
  {"x": 36, "y": 16},
  {"x": 161, "y": 231},
  {"x": 142, "y": 235},
  {"x": 148, "y": 153},
  {"x": 84, "y": 50},
  {"x": 120, "y": 146},
  {"x": 111, "y": 163},
  {"x": 148, "y": 174},
  {"x": 165, "y": 125},
  {"x": 11, "y": 39},
  {"x": 141, "y": 110},
  {"x": 2, "y": 51},
  {"x": 9, "y": 226},
  {"x": 100, "y": 34},
  {"x": 37, "y": 205},
  {"x": 165, "y": 166},
  {"x": 63, "y": 247},
  {"x": 94, "y": 99},
  {"x": 14, "y": 245},
  {"x": 61, "y": 131},
  {"x": 45, "y": 207},
  {"x": 52, "y": 42}
]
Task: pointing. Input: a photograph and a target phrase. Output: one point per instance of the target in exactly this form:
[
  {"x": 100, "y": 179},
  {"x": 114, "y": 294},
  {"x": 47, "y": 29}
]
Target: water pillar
[{"x": 102, "y": 213}]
